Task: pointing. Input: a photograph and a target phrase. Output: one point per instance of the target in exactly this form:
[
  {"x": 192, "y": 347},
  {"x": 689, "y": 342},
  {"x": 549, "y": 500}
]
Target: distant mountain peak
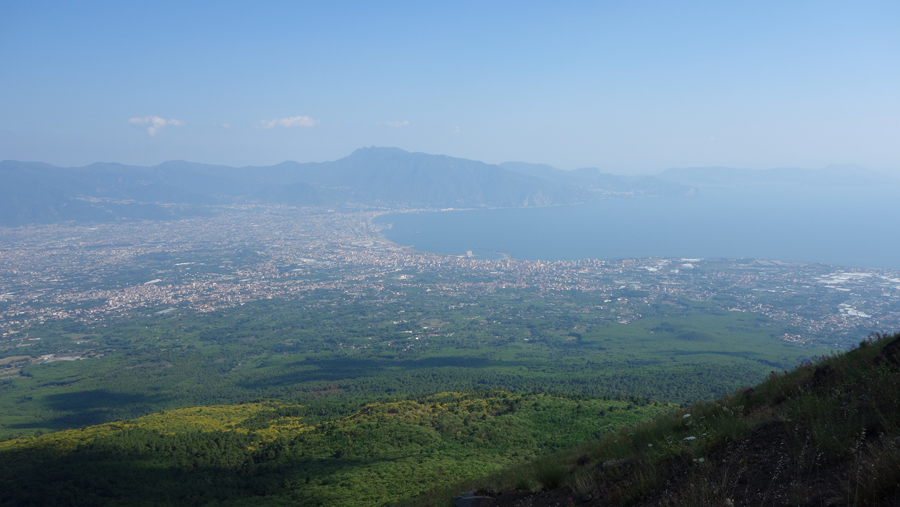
[{"x": 369, "y": 151}]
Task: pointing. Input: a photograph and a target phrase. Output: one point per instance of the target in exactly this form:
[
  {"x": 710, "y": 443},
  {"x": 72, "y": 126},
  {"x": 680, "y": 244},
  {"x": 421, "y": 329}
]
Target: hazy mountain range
[
  {"x": 32, "y": 192},
  {"x": 833, "y": 175}
]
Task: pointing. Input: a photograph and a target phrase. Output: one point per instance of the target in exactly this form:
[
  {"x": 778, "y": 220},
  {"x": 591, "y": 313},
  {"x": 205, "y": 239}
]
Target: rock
[{"x": 472, "y": 500}]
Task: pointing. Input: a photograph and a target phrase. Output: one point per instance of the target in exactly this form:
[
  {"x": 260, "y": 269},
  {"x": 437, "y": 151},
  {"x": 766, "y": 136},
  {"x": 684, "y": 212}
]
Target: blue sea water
[{"x": 857, "y": 226}]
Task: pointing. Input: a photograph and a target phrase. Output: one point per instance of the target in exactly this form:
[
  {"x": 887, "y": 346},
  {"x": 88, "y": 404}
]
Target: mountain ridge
[{"x": 36, "y": 192}]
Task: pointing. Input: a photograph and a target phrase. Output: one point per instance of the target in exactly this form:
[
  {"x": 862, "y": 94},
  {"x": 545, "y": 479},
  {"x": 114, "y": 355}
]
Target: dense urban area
[{"x": 247, "y": 253}]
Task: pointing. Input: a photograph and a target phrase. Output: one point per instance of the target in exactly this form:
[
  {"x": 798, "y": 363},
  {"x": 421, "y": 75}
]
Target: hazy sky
[{"x": 624, "y": 86}]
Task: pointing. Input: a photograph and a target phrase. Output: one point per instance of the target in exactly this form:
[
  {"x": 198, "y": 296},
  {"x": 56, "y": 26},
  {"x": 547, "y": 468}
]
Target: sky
[{"x": 629, "y": 87}]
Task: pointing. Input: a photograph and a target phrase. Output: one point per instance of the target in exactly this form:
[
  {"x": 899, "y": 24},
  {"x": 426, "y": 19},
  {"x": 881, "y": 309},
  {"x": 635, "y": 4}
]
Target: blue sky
[{"x": 630, "y": 87}]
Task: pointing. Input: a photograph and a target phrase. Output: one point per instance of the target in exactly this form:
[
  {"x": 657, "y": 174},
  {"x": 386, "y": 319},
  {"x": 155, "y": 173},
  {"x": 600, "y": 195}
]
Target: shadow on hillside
[
  {"x": 749, "y": 356},
  {"x": 103, "y": 474},
  {"x": 332, "y": 370},
  {"x": 96, "y": 399},
  {"x": 86, "y": 408}
]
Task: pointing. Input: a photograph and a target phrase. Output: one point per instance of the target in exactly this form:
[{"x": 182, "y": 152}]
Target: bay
[{"x": 856, "y": 227}]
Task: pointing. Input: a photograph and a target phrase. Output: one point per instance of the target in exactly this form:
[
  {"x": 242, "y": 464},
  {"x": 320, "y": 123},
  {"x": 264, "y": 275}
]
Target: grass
[{"x": 826, "y": 431}]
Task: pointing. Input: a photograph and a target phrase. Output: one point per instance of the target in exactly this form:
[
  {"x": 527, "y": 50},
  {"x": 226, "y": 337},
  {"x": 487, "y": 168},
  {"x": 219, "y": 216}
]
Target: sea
[{"x": 852, "y": 226}]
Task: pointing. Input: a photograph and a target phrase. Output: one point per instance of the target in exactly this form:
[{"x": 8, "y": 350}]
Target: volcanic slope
[
  {"x": 825, "y": 433},
  {"x": 281, "y": 453}
]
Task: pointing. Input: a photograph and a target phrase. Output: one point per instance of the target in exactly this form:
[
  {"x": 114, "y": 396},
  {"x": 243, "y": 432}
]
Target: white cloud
[
  {"x": 396, "y": 123},
  {"x": 154, "y": 123},
  {"x": 291, "y": 121}
]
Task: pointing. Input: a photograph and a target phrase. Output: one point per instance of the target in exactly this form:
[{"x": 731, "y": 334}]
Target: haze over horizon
[
  {"x": 850, "y": 166},
  {"x": 629, "y": 89}
]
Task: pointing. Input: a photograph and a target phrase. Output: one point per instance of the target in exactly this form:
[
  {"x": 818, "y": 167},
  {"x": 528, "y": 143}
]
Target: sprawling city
[{"x": 242, "y": 254}]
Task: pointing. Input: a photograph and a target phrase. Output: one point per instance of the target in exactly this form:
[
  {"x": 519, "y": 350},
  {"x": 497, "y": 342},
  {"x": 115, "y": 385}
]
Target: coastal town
[{"x": 241, "y": 254}]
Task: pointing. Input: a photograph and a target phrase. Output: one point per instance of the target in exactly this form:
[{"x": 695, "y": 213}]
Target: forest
[
  {"x": 353, "y": 348},
  {"x": 277, "y": 453},
  {"x": 358, "y": 397}
]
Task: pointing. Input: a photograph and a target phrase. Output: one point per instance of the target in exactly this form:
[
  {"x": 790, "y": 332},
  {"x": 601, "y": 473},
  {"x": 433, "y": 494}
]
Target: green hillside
[
  {"x": 363, "y": 348},
  {"x": 825, "y": 433},
  {"x": 273, "y": 453}
]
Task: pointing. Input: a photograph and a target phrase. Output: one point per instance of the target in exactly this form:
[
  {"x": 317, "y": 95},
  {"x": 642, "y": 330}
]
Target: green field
[{"x": 341, "y": 350}]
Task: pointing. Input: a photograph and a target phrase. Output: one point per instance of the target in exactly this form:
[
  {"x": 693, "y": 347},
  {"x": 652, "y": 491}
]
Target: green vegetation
[
  {"x": 827, "y": 432},
  {"x": 371, "y": 395},
  {"x": 275, "y": 453},
  {"x": 354, "y": 347}
]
